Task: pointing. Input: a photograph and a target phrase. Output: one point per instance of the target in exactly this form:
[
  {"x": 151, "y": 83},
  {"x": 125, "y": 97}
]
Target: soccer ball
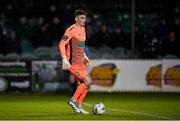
[{"x": 98, "y": 108}]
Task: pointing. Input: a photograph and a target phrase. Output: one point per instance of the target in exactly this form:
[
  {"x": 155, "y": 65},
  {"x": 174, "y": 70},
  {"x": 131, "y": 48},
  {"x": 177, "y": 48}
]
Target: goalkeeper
[{"x": 75, "y": 60}]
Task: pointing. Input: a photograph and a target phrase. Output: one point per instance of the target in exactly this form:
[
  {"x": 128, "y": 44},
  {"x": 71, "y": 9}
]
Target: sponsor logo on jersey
[{"x": 81, "y": 44}]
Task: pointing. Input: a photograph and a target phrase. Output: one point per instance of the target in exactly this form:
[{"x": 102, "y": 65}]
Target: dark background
[{"x": 26, "y": 25}]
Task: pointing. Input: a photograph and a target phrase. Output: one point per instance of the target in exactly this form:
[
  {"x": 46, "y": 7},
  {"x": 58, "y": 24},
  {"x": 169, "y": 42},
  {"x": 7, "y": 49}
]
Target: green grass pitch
[{"x": 119, "y": 106}]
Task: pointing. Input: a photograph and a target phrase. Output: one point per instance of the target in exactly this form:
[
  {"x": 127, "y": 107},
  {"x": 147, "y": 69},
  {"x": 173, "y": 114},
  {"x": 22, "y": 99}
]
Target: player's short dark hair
[{"x": 79, "y": 12}]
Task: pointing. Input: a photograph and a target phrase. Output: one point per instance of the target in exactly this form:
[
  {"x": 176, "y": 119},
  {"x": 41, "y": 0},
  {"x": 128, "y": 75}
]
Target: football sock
[
  {"x": 79, "y": 91},
  {"x": 81, "y": 97}
]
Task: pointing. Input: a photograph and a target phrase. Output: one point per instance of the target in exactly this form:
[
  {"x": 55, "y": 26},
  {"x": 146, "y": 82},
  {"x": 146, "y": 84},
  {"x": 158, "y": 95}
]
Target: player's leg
[
  {"x": 73, "y": 101},
  {"x": 74, "y": 83},
  {"x": 79, "y": 73},
  {"x": 79, "y": 91},
  {"x": 86, "y": 80},
  {"x": 79, "y": 95}
]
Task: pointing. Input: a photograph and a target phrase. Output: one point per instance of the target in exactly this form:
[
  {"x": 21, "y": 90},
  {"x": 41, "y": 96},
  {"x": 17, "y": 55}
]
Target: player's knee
[{"x": 87, "y": 82}]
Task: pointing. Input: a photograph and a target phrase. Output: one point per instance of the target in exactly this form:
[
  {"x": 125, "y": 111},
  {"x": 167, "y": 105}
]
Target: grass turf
[{"x": 119, "y": 106}]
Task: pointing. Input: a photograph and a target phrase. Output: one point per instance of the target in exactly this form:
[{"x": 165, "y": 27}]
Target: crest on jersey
[{"x": 77, "y": 73}]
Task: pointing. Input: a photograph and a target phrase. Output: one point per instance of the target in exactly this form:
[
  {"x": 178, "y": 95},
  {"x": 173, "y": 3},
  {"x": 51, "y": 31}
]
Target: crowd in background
[{"x": 41, "y": 23}]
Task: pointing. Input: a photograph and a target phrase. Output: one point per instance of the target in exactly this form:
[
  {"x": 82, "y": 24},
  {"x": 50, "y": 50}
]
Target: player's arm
[{"x": 62, "y": 45}]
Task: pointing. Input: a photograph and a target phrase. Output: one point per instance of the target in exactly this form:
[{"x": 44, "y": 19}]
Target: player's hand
[
  {"x": 65, "y": 64},
  {"x": 86, "y": 61}
]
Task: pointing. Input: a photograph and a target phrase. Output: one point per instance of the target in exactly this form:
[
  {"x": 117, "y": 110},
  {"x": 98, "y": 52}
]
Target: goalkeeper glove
[{"x": 65, "y": 63}]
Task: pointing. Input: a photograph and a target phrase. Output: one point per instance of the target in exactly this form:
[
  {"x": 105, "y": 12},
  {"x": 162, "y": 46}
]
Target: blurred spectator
[
  {"x": 151, "y": 45},
  {"x": 23, "y": 29},
  {"x": 1, "y": 32},
  {"x": 176, "y": 12},
  {"x": 90, "y": 41},
  {"x": 139, "y": 38},
  {"x": 12, "y": 42},
  {"x": 103, "y": 37},
  {"x": 161, "y": 30},
  {"x": 40, "y": 34},
  {"x": 177, "y": 28},
  {"x": 170, "y": 46},
  {"x": 55, "y": 30},
  {"x": 53, "y": 10},
  {"x": 118, "y": 37},
  {"x": 2, "y": 42}
]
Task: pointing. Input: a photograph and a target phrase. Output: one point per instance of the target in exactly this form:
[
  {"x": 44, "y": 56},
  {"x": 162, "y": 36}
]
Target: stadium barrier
[
  {"x": 15, "y": 75},
  {"x": 107, "y": 75},
  {"x": 48, "y": 76},
  {"x": 135, "y": 75}
]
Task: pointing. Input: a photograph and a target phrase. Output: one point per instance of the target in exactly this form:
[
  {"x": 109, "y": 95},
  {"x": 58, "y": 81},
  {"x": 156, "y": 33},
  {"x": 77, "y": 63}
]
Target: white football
[{"x": 99, "y": 108}]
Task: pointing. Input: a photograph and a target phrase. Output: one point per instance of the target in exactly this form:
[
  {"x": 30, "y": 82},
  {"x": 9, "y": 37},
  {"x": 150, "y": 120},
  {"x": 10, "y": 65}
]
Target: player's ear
[{"x": 76, "y": 19}]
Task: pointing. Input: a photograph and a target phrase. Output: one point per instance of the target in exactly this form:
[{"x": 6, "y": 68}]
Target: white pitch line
[{"x": 135, "y": 112}]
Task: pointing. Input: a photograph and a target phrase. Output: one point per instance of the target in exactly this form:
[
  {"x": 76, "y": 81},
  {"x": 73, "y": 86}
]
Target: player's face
[{"x": 81, "y": 20}]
